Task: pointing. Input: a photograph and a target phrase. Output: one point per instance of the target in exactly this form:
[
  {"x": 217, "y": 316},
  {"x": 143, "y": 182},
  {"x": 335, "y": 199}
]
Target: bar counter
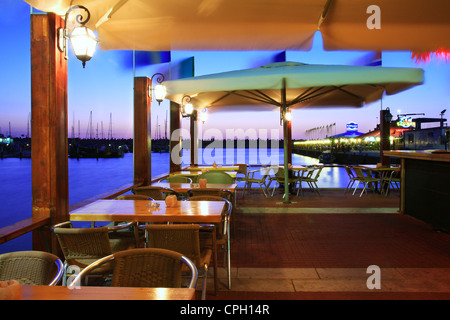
[{"x": 425, "y": 186}]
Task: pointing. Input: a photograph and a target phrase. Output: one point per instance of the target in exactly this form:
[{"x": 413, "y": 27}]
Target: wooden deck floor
[{"x": 319, "y": 247}]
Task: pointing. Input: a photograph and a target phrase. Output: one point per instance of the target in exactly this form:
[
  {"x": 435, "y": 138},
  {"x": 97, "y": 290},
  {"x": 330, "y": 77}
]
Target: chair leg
[
  {"x": 357, "y": 184},
  {"x": 263, "y": 189},
  {"x": 229, "y": 264},
  {"x": 205, "y": 277},
  {"x": 364, "y": 189}
]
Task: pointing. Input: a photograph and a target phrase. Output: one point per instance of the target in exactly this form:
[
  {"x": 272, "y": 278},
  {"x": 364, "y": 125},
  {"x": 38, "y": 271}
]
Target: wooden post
[
  {"x": 194, "y": 138},
  {"x": 49, "y": 152},
  {"x": 142, "y": 140},
  {"x": 175, "y": 137},
  {"x": 289, "y": 140},
  {"x": 385, "y": 132}
]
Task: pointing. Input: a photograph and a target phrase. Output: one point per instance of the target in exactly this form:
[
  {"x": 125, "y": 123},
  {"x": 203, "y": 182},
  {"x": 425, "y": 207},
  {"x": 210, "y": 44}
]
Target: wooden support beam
[
  {"x": 49, "y": 152},
  {"x": 194, "y": 138},
  {"x": 385, "y": 133},
  {"x": 289, "y": 139},
  {"x": 175, "y": 137},
  {"x": 142, "y": 140}
]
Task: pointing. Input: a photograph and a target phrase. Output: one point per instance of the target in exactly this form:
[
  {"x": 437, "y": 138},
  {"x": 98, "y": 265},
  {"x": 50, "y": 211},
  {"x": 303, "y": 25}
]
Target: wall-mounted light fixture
[
  {"x": 187, "y": 109},
  {"x": 203, "y": 115},
  {"x": 388, "y": 115},
  {"x": 159, "y": 91},
  {"x": 285, "y": 115},
  {"x": 82, "y": 38}
]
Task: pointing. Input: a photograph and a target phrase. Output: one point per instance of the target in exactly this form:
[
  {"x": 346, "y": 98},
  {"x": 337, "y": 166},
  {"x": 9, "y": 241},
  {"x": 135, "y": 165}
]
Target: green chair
[
  {"x": 366, "y": 180},
  {"x": 313, "y": 178},
  {"x": 154, "y": 192},
  {"x": 391, "y": 181},
  {"x": 251, "y": 179},
  {"x": 279, "y": 179},
  {"x": 218, "y": 177},
  {"x": 352, "y": 178},
  {"x": 177, "y": 179},
  {"x": 242, "y": 172}
]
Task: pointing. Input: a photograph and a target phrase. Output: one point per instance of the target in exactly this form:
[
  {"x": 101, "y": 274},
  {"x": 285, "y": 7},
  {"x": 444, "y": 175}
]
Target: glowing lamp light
[
  {"x": 203, "y": 115},
  {"x": 288, "y": 115},
  {"x": 83, "y": 42},
  {"x": 160, "y": 92},
  {"x": 188, "y": 108},
  {"x": 83, "y": 39}
]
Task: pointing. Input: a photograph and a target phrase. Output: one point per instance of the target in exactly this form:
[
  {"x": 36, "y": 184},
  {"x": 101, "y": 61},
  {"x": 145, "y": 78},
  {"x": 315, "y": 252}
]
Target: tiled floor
[{"x": 326, "y": 255}]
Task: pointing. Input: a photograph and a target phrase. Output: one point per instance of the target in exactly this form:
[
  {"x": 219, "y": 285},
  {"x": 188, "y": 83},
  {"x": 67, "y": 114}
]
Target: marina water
[{"x": 91, "y": 177}]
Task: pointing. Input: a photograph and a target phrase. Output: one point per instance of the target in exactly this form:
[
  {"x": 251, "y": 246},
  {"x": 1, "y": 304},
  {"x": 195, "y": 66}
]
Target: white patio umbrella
[
  {"x": 264, "y": 25},
  {"x": 293, "y": 85}
]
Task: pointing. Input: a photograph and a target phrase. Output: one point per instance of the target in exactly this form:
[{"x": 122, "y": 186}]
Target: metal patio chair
[{"x": 146, "y": 267}]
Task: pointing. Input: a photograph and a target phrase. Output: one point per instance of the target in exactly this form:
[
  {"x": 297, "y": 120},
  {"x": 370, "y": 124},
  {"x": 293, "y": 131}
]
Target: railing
[{"x": 35, "y": 223}]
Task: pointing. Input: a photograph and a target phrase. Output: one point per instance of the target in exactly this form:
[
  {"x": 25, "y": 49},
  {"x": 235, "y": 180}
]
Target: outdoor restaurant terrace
[{"x": 268, "y": 232}]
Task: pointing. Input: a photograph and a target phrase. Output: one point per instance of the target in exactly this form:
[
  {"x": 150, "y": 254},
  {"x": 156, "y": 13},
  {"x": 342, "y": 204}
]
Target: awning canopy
[
  {"x": 306, "y": 85},
  {"x": 411, "y": 25}
]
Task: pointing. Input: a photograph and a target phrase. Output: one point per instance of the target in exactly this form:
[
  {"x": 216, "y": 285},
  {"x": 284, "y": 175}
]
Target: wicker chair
[
  {"x": 185, "y": 239},
  {"x": 217, "y": 192},
  {"x": 133, "y": 197},
  {"x": 156, "y": 193},
  {"x": 222, "y": 234},
  {"x": 151, "y": 268},
  {"x": 216, "y": 177},
  {"x": 83, "y": 246},
  {"x": 177, "y": 179},
  {"x": 31, "y": 268}
]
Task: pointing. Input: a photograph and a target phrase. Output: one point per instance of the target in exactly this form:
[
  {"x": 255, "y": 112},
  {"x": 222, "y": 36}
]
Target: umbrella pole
[{"x": 285, "y": 144}]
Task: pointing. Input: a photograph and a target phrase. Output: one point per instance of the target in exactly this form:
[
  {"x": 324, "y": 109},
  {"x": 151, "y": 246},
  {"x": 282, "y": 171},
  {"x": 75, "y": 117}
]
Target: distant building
[{"x": 352, "y": 131}]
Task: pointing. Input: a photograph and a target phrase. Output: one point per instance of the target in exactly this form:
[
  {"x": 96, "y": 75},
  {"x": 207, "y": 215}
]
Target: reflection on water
[{"x": 90, "y": 177}]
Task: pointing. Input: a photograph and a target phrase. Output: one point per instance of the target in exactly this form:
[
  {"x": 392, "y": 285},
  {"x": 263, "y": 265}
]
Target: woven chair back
[
  {"x": 29, "y": 267},
  {"x": 147, "y": 268},
  {"x": 82, "y": 246},
  {"x": 182, "y": 238}
]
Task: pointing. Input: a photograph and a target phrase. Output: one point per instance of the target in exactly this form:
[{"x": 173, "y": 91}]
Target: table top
[
  {"x": 375, "y": 168},
  {"x": 105, "y": 293},
  {"x": 197, "y": 173},
  {"x": 184, "y": 187},
  {"x": 140, "y": 211},
  {"x": 219, "y": 167}
]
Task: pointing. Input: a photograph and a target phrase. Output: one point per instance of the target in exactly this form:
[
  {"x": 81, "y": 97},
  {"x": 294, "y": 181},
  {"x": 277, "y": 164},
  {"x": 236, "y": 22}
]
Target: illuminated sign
[
  {"x": 352, "y": 126},
  {"x": 406, "y": 122}
]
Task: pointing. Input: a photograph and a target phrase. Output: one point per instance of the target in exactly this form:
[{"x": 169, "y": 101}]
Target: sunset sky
[{"x": 105, "y": 86}]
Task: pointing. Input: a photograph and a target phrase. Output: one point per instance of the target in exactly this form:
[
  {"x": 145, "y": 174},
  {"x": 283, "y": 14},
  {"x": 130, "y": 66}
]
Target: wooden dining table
[
  {"x": 105, "y": 293},
  {"x": 143, "y": 211},
  {"x": 219, "y": 168},
  {"x": 184, "y": 187},
  {"x": 194, "y": 174}
]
